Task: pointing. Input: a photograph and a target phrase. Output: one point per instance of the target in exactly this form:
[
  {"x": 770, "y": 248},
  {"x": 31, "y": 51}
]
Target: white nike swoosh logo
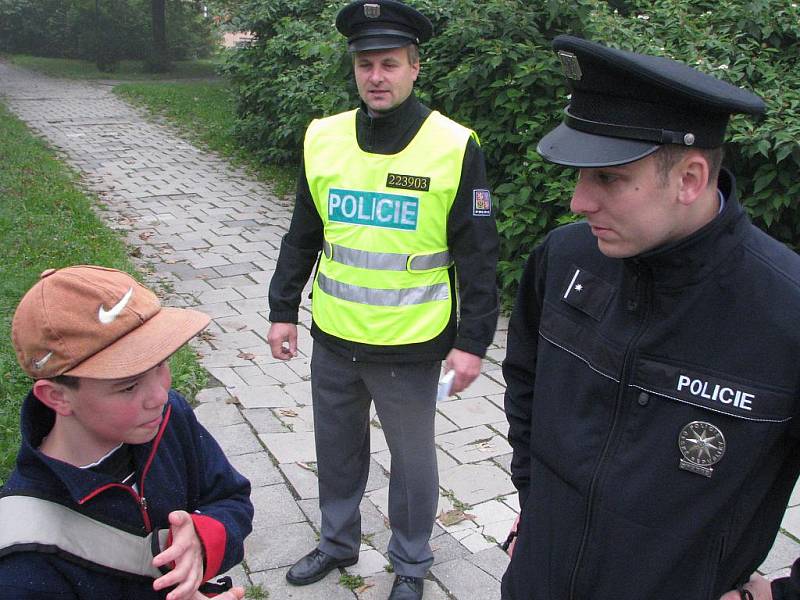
[
  {"x": 38, "y": 364},
  {"x": 108, "y": 316}
]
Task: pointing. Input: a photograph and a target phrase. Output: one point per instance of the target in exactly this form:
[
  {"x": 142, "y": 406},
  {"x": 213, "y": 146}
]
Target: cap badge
[
  {"x": 570, "y": 65},
  {"x": 702, "y": 445},
  {"x": 39, "y": 364},
  {"x": 109, "y": 316},
  {"x": 372, "y": 11}
]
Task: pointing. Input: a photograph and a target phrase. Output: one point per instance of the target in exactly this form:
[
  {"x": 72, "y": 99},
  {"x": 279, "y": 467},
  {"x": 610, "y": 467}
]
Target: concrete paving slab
[
  {"x": 302, "y": 478},
  {"x": 275, "y": 507},
  {"x": 482, "y": 386},
  {"x": 370, "y": 562},
  {"x": 310, "y": 508},
  {"x": 262, "y": 396},
  {"x": 296, "y": 418},
  {"x": 274, "y": 582},
  {"x": 220, "y": 413},
  {"x": 474, "y": 484},
  {"x": 794, "y": 500},
  {"x": 237, "y": 439},
  {"x": 258, "y": 468},
  {"x": 791, "y": 521},
  {"x": 784, "y": 552},
  {"x": 277, "y": 547},
  {"x": 212, "y": 395},
  {"x": 473, "y": 445},
  {"x": 300, "y": 391},
  {"x": 465, "y": 580},
  {"x": 469, "y": 412},
  {"x": 290, "y": 447}
]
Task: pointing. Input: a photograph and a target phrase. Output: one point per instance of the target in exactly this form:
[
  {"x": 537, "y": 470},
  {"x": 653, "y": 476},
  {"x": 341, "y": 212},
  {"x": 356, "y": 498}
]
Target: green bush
[
  {"x": 113, "y": 29},
  {"x": 490, "y": 66},
  {"x": 754, "y": 44},
  {"x": 297, "y": 70}
]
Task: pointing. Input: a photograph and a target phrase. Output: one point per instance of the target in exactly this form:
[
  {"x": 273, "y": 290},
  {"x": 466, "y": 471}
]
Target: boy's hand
[
  {"x": 186, "y": 552},
  {"x": 236, "y": 593}
]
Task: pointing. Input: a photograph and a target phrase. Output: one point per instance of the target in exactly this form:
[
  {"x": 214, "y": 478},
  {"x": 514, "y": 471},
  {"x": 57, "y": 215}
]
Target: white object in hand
[{"x": 445, "y": 385}]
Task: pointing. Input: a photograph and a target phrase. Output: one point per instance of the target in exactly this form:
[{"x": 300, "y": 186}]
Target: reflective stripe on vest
[
  {"x": 28, "y": 523},
  {"x": 384, "y": 275},
  {"x": 385, "y": 261},
  {"x": 364, "y": 295}
]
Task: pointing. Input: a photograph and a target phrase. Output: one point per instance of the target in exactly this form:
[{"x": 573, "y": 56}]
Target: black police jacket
[
  {"x": 652, "y": 405},
  {"x": 472, "y": 241}
]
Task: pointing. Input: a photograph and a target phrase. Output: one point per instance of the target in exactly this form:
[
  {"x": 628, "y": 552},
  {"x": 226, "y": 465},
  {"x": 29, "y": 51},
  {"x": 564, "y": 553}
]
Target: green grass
[
  {"x": 205, "y": 112},
  {"x": 351, "y": 582},
  {"x": 46, "y": 221},
  {"x": 256, "y": 592},
  {"x": 126, "y": 70}
]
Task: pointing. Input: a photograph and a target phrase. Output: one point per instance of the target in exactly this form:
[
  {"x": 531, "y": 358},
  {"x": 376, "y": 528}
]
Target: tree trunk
[{"x": 159, "y": 55}]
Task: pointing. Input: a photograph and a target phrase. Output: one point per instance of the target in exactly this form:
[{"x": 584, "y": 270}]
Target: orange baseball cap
[{"x": 88, "y": 321}]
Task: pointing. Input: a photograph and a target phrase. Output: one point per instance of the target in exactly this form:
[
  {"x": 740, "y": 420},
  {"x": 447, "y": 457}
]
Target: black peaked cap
[
  {"x": 625, "y": 105},
  {"x": 382, "y": 24}
]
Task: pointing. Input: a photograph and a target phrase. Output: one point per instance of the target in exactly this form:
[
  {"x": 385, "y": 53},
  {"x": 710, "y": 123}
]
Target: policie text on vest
[{"x": 360, "y": 207}]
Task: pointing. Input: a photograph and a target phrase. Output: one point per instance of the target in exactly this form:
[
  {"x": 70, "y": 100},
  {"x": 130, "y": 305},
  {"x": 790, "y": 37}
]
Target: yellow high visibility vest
[{"x": 382, "y": 277}]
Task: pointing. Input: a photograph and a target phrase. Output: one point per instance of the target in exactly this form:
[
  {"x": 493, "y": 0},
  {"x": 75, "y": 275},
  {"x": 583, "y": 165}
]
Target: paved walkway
[{"x": 208, "y": 237}]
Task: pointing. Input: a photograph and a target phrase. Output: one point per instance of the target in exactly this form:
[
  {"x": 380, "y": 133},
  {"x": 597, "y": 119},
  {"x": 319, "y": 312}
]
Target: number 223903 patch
[{"x": 408, "y": 182}]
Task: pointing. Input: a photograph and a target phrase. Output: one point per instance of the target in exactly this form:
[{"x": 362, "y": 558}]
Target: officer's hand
[
  {"x": 513, "y": 536},
  {"x": 235, "y": 593},
  {"x": 186, "y": 552},
  {"x": 282, "y": 338},
  {"x": 758, "y": 586},
  {"x": 467, "y": 367}
]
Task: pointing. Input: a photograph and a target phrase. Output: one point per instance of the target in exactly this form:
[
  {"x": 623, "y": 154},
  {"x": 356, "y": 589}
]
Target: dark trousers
[{"x": 405, "y": 400}]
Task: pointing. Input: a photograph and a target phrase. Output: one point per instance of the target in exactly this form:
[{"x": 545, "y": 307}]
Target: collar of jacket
[
  {"x": 697, "y": 256},
  {"x": 392, "y": 131},
  {"x": 36, "y": 421}
]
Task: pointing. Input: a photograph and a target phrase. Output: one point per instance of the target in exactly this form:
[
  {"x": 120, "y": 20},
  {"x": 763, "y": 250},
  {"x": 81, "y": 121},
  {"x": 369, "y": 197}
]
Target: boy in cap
[
  {"x": 652, "y": 374},
  {"x": 112, "y": 461},
  {"x": 395, "y": 196}
]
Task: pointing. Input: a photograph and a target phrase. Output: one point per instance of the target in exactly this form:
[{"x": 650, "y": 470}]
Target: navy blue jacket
[
  {"x": 183, "y": 468},
  {"x": 653, "y": 404}
]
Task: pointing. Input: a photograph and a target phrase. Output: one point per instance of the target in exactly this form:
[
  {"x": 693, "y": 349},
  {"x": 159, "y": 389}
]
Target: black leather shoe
[
  {"x": 315, "y": 565},
  {"x": 407, "y": 588}
]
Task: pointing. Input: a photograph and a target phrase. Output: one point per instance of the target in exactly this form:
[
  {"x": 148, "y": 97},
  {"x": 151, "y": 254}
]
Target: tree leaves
[{"x": 490, "y": 67}]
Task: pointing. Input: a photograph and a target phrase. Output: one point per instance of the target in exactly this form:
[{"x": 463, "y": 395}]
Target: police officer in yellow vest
[{"x": 393, "y": 200}]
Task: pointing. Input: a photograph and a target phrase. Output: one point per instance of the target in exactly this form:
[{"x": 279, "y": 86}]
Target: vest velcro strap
[
  {"x": 382, "y": 297},
  {"x": 385, "y": 261},
  {"x": 428, "y": 262},
  {"x": 29, "y": 523}
]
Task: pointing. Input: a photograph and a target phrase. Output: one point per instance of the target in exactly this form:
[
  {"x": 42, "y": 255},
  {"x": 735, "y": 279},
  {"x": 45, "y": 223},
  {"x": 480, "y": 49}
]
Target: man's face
[
  {"x": 108, "y": 412},
  {"x": 630, "y": 208},
  {"x": 384, "y": 78}
]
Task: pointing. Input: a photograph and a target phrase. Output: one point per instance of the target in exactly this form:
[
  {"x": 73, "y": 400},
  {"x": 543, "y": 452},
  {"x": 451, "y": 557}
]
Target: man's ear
[
  {"x": 694, "y": 175},
  {"x": 54, "y": 396}
]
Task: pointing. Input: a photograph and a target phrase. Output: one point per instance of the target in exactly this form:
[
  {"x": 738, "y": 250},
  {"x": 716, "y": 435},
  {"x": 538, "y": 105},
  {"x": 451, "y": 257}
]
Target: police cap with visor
[
  {"x": 624, "y": 106},
  {"x": 381, "y": 25}
]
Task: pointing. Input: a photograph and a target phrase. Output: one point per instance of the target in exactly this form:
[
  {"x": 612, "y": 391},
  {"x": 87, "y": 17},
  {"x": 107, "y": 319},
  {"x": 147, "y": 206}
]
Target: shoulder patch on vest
[{"x": 481, "y": 203}]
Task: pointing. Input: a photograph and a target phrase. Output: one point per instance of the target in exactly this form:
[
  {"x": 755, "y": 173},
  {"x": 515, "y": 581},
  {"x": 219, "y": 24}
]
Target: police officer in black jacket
[{"x": 652, "y": 366}]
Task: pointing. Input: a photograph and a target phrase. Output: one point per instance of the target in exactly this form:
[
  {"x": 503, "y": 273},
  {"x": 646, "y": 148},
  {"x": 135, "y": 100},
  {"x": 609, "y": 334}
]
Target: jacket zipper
[
  {"x": 631, "y": 304},
  {"x": 140, "y": 498}
]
